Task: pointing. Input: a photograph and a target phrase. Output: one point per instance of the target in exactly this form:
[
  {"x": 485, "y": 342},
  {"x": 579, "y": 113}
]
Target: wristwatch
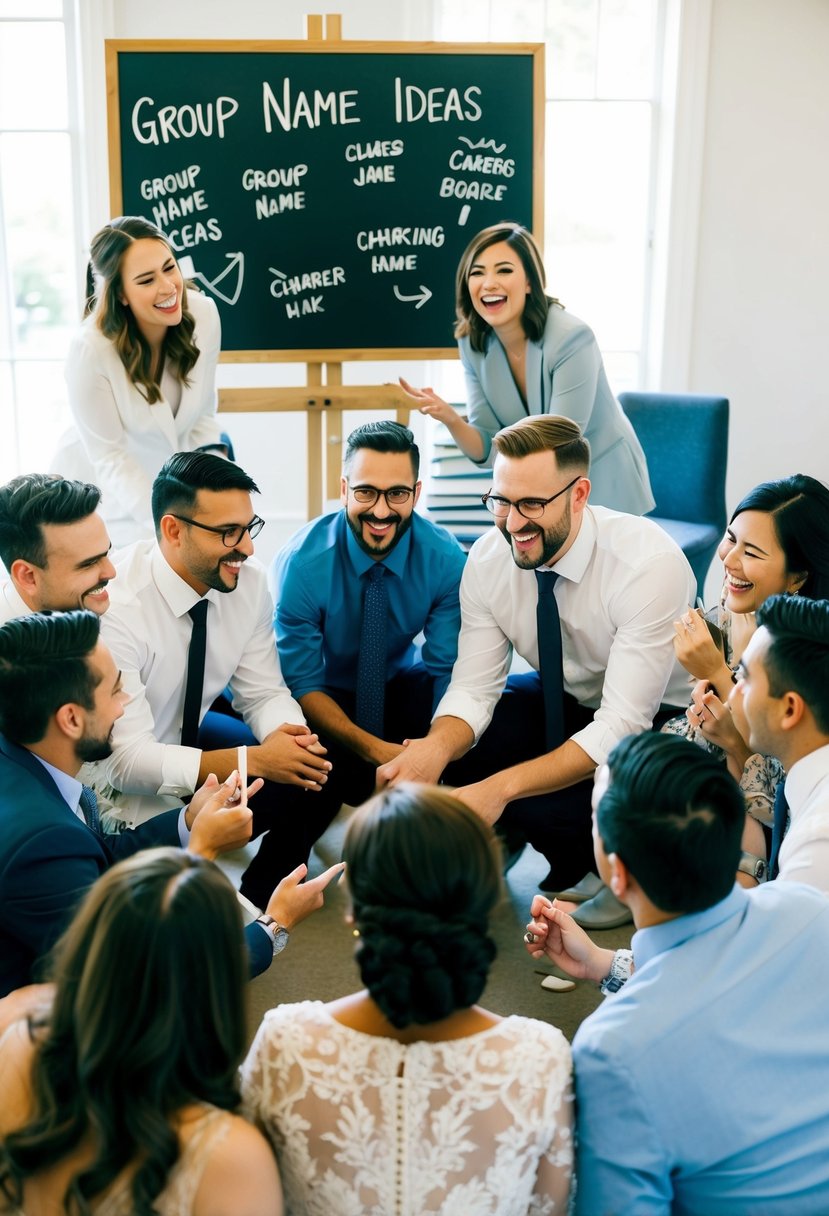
[
  {"x": 751, "y": 864},
  {"x": 621, "y": 969},
  {"x": 278, "y": 935}
]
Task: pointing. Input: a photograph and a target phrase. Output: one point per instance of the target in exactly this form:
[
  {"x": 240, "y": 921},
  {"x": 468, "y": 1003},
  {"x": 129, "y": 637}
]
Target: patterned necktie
[
  {"x": 89, "y": 806},
  {"x": 371, "y": 669},
  {"x": 548, "y": 626},
  {"x": 191, "y": 716},
  {"x": 778, "y": 831}
]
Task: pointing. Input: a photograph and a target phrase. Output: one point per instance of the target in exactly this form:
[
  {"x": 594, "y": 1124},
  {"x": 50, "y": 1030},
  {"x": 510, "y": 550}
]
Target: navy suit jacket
[{"x": 49, "y": 858}]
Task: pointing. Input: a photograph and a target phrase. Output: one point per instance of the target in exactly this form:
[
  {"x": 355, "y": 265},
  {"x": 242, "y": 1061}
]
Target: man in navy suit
[{"x": 60, "y": 695}]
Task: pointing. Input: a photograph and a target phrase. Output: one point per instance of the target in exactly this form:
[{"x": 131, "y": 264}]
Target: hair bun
[{"x": 419, "y": 967}]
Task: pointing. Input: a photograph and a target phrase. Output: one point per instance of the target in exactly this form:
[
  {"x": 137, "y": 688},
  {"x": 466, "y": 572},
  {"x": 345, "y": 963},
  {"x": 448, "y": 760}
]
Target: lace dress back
[{"x": 367, "y": 1126}]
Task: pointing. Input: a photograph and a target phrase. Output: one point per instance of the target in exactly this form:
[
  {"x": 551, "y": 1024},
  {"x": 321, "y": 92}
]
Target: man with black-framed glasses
[
  {"x": 353, "y": 590},
  {"x": 585, "y": 595},
  {"x": 194, "y": 617}
]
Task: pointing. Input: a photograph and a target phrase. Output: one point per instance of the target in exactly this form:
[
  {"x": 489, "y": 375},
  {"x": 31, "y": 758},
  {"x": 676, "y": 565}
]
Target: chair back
[{"x": 685, "y": 441}]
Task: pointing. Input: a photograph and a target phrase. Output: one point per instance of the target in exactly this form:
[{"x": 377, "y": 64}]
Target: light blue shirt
[
  {"x": 702, "y": 1087},
  {"x": 317, "y": 583},
  {"x": 70, "y": 790}
]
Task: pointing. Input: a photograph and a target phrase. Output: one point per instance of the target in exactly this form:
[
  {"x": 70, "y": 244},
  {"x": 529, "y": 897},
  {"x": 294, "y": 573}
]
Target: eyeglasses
[
  {"x": 396, "y": 496},
  {"x": 530, "y": 508},
  {"x": 230, "y": 535}
]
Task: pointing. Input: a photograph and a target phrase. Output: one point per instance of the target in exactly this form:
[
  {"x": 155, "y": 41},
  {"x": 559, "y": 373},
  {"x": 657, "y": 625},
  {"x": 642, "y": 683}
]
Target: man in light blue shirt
[
  {"x": 320, "y": 581},
  {"x": 702, "y": 1084}
]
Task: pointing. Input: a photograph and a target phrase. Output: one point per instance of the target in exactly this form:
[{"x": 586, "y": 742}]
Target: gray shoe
[
  {"x": 585, "y": 889},
  {"x": 603, "y": 911}
]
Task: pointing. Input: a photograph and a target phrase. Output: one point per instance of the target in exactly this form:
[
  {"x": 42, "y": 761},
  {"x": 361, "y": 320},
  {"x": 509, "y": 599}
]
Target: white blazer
[{"x": 120, "y": 442}]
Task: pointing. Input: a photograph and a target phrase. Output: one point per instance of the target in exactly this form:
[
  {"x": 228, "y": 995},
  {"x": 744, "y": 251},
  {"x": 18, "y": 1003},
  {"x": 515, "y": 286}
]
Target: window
[
  {"x": 38, "y": 228},
  {"x": 603, "y": 61}
]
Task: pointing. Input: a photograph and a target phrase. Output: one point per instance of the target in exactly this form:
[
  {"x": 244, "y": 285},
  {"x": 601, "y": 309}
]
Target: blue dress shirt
[
  {"x": 703, "y": 1085},
  {"x": 317, "y": 584}
]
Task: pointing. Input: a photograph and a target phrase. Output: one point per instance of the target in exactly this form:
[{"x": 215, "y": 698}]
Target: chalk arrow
[
  {"x": 424, "y": 295},
  {"x": 236, "y": 260}
]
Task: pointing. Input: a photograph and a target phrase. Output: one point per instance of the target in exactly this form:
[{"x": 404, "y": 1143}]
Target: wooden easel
[{"x": 324, "y": 397}]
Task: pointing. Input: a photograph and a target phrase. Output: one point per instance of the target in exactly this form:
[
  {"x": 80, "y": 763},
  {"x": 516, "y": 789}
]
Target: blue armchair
[{"x": 685, "y": 440}]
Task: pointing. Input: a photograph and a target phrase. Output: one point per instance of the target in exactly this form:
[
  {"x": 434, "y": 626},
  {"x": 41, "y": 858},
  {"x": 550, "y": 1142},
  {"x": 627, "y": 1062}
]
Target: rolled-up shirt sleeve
[
  {"x": 641, "y": 654},
  {"x": 260, "y": 693},
  {"x": 484, "y": 656},
  {"x": 139, "y": 764}
]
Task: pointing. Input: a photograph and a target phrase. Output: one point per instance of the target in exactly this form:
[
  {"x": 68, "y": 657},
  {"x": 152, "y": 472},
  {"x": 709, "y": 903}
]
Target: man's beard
[
  {"x": 89, "y": 748},
  {"x": 383, "y": 546},
  {"x": 552, "y": 540}
]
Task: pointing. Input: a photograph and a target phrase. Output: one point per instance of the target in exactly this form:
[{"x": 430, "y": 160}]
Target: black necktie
[
  {"x": 778, "y": 831},
  {"x": 548, "y": 625},
  {"x": 190, "y": 718},
  {"x": 371, "y": 669},
  {"x": 89, "y": 806}
]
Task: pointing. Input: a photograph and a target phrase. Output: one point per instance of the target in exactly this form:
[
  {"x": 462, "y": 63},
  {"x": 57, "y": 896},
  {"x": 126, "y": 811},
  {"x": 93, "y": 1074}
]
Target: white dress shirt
[
  {"x": 804, "y": 853},
  {"x": 621, "y": 585},
  {"x": 119, "y": 442},
  {"x": 148, "y": 631},
  {"x": 11, "y": 605}
]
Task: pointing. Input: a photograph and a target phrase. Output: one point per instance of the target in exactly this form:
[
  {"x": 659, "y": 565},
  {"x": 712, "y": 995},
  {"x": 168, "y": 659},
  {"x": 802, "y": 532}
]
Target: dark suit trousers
[{"x": 558, "y": 824}]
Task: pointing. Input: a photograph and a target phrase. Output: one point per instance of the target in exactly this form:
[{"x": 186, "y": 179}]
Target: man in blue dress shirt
[
  {"x": 320, "y": 582},
  {"x": 702, "y": 1084}
]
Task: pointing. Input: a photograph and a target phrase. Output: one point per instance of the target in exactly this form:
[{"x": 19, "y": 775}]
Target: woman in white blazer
[
  {"x": 140, "y": 373},
  {"x": 523, "y": 354}
]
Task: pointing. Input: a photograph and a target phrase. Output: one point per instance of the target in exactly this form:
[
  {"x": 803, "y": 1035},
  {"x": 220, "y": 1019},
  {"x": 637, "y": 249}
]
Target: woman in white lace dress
[
  {"x": 777, "y": 542},
  {"x": 118, "y": 1099},
  {"x": 408, "y": 1098}
]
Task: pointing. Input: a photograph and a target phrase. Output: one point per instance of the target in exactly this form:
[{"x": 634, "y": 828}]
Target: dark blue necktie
[
  {"x": 191, "y": 717},
  {"x": 371, "y": 669},
  {"x": 548, "y": 625},
  {"x": 89, "y": 806},
  {"x": 778, "y": 831}
]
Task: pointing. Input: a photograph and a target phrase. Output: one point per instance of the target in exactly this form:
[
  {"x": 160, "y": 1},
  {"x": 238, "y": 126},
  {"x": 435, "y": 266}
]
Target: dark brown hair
[
  {"x": 148, "y": 1018},
  {"x": 424, "y": 874},
  {"x": 534, "y": 317},
  {"x": 104, "y": 286}
]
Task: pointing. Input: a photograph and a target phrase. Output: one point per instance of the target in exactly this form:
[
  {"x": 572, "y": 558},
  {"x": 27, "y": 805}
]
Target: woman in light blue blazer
[{"x": 523, "y": 354}]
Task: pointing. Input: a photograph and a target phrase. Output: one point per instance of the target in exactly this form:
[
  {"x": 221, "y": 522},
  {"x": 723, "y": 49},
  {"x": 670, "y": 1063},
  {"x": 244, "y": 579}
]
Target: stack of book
[{"x": 454, "y": 489}]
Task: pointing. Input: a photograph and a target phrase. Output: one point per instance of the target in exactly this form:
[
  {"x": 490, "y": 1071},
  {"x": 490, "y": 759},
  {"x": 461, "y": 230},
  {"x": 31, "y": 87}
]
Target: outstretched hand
[
  {"x": 559, "y": 939},
  {"x": 216, "y": 820},
  {"x": 428, "y": 402},
  {"x": 295, "y": 899}
]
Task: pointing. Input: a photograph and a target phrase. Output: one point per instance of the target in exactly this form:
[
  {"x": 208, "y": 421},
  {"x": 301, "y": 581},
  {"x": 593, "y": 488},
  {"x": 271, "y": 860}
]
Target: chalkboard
[{"x": 322, "y": 193}]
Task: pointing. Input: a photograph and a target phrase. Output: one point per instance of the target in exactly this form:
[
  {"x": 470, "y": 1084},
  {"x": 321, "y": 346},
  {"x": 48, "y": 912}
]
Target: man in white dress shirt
[
  {"x": 204, "y": 524},
  {"x": 782, "y": 699},
  {"x": 621, "y": 583},
  {"x": 54, "y": 545}
]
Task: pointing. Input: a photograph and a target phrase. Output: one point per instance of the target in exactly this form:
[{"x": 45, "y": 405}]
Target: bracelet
[{"x": 621, "y": 969}]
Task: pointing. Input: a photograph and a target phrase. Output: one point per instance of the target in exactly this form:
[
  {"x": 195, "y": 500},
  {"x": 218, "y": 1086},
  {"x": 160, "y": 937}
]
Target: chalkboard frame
[{"x": 534, "y": 51}]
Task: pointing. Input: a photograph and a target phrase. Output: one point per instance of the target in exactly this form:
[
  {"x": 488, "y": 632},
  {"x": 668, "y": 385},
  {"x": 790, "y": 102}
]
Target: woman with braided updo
[{"x": 408, "y": 1097}]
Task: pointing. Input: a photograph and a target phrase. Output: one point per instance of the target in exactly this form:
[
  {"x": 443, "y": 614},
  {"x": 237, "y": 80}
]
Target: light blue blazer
[{"x": 565, "y": 375}]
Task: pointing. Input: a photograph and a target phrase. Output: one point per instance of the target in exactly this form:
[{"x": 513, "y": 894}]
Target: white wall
[{"x": 760, "y": 330}]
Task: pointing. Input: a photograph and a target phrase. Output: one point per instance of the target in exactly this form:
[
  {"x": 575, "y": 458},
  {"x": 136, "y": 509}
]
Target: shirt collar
[
  {"x": 70, "y": 788},
  {"x": 395, "y": 561},
  {"x": 658, "y": 939},
  {"x": 573, "y": 565},
  {"x": 15, "y": 601},
  {"x": 804, "y": 776},
  {"x": 176, "y": 593}
]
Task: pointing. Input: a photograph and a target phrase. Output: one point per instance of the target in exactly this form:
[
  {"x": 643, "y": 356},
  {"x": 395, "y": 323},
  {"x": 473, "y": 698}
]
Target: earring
[{"x": 355, "y": 932}]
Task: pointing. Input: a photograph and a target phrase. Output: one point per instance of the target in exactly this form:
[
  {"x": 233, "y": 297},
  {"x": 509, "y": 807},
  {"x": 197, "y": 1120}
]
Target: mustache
[
  {"x": 92, "y": 590},
  {"x": 368, "y": 518},
  {"x": 234, "y": 556}
]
